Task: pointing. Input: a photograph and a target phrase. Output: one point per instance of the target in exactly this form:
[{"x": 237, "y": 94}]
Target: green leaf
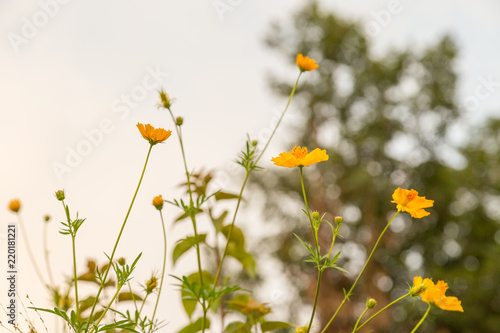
[
  {"x": 245, "y": 258},
  {"x": 238, "y": 327},
  {"x": 237, "y": 235},
  {"x": 218, "y": 222},
  {"x": 188, "y": 303},
  {"x": 225, "y": 196},
  {"x": 274, "y": 325},
  {"x": 185, "y": 245},
  {"x": 195, "y": 326}
]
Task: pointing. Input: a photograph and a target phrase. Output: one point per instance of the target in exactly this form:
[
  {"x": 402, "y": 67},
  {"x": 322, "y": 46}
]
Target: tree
[{"x": 386, "y": 123}]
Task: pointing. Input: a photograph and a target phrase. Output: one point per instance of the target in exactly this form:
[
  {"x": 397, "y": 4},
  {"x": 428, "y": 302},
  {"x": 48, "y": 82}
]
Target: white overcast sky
[{"x": 74, "y": 74}]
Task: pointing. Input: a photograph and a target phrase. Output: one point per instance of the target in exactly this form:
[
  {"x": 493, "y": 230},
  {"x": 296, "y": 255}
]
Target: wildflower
[
  {"x": 158, "y": 202},
  {"x": 435, "y": 295},
  {"x": 420, "y": 285},
  {"x": 250, "y": 307},
  {"x": 305, "y": 63},
  {"x": 15, "y": 205},
  {"x": 153, "y": 135},
  {"x": 409, "y": 201},
  {"x": 299, "y": 157},
  {"x": 371, "y": 303},
  {"x": 60, "y": 195}
]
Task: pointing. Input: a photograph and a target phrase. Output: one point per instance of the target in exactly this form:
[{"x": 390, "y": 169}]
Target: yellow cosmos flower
[
  {"x": 153, "y": 135},
  {"x": 409, "y": 201},
  {"x": 299, "y": 157},
  {"x": 158, "y": 202},
  {"x": 15, "y": 205},
  {"x": 435, "y": 294},
  {"x": 305, "y": 63},
  {"x": 420, "y": 285}
]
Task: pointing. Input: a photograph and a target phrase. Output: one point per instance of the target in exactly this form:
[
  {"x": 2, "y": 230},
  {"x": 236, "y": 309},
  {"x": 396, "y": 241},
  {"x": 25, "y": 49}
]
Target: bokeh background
[{"x": 81, "y": 79}]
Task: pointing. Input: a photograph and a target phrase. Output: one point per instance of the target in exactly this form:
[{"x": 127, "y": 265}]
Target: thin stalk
[
  {"x": 46, "y": 255},
  {"x": 118, "y": 240},
  {"x": 75, "y": 276},
  {"x": 178, "y": 129},
  {"x": 359, "y": 319},
  {"x": 422, "y": 320},
  {"x": 382, "y": 310},
  {"x": 315, "y": 235},
  {"x": 247, "y": 174},
  {"x": 30, "y": 253},
  {"x": 360, "y": 273},
  {"x": 109, "y": 305},
  {"x": 315, "y": 299},
  {"x": 163, "y": 269}
]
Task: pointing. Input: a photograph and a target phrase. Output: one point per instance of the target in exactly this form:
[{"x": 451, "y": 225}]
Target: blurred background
[{"x": 406, "y": 95}]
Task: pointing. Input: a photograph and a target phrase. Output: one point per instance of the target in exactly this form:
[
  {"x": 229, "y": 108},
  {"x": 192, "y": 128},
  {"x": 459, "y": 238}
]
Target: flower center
[{"x": 299, "y": 152}]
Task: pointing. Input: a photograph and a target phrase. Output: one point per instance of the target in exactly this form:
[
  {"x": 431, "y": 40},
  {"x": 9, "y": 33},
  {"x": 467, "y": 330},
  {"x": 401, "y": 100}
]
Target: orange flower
[
  {"x": 153, "y": 135},
  {"x": 299, "y": 157},
  {"x": 15, "y": 205},
  {"x": 158, "y": 202},
  {"x": 435, "y": 294},
  {"x": 306, "y": 64},
  {"x": 409, "y": 201}
]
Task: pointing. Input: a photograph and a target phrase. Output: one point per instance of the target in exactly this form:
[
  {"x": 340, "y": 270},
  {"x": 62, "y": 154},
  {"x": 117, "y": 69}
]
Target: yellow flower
[
  {"x": 299, "y": 157},
  {"x": 15, "y": 205},
  {"x": 306, "y": 64},
  {"x": 153, "y": 135},
  {"x": 409, "y": 201},
  {"x": 158, "y": 202},
  {"x": 435, "y": 294},
  {"x": 420, "y": 285},
  {"x": 151, "y": 285}
]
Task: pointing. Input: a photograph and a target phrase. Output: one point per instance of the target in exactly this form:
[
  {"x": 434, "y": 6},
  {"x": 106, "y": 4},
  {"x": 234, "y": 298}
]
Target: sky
[{"x": 77, "y": 76}]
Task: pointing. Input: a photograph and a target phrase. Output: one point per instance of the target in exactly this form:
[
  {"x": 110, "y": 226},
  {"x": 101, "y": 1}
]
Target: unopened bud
[
  {"x": 179, "y": 121},
  {"x": 15, "y": 205},
  {"x": 315, "y": 215},
  {"x": 60, "y": 195},
  {"x": 338, "y": 219},
  {"x": 46, "y": 218},
  {"x": 121, "y": 261},
  {"x": 371, "y": 303},
  {"x": 158, "y": 202}
]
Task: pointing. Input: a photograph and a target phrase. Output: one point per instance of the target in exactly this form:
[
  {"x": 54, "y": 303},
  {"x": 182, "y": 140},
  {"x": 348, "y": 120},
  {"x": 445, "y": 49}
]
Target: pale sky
[{"x": 88, "y": 73}]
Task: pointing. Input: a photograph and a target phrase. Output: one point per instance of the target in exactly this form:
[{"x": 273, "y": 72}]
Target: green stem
[
  {"x": 382, "y": 310},
  {"x": 76, "y": 277},
  {"x": 178, "y": 129},
  {"x": 281, "y": 118},
  {"x": 247, "y": 174},
  {"x": 313, "y": 227},
  {"x": 359, "y": 275},
  {"x": 359, "y": 319},
  {"x": 163, "y": 269},
  {"x": 117, "y": 241},
  {"x": 46, "y": 255},
  {"x": 109, "y": 305},
  {"x": 423, "y": 318},
  {"x": 315, "y": 300}
]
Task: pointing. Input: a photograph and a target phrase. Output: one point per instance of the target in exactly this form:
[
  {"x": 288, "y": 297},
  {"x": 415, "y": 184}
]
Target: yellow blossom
[
  {"x": 435, "y": 294},
  {"x": 305, "y": 63},
  {"x": 409, "y": 201},
  {"x": 15, "y": 205},
  {"x": 151, "y": 284},
  {"x": 420, "y": 285},
  {"x": 301, "y": 329},
  {"x": 158, "y": 202},
  {"x": 153, "y": 135},
  {"x": 300, "y": 157}
]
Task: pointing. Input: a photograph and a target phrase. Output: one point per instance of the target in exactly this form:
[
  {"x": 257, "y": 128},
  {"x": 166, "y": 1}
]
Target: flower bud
[
  {"x": 46, "y": 218},
  {"x": 371, "y": 303},
  {"x": 179, "y": 121},
  {"x": 15, "y": 205},
  {"x": 255, "y": 143},
  {"x": 151, "y": 284},
  {"x": 158, "y": 202},
  {"x": 315, "y": 215},
  {"x": 338, "y": 219},
  {"x": 60, "y": 195},
  {"x": 121, "y": 261},
  {"x": 166, "y": 102}
]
